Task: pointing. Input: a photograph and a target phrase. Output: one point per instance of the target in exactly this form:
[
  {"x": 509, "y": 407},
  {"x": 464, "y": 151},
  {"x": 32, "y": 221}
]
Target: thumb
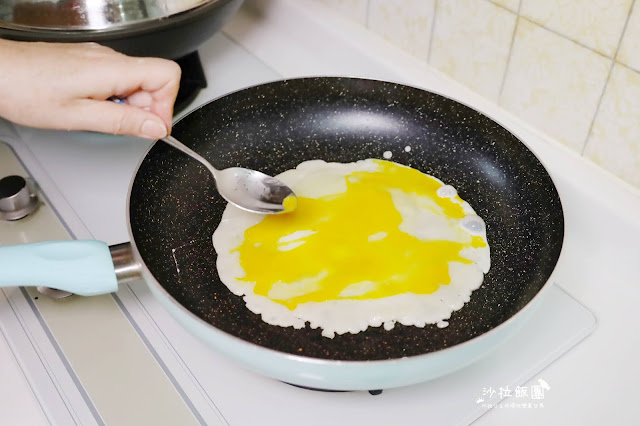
[{"x": 110, "y": 117}]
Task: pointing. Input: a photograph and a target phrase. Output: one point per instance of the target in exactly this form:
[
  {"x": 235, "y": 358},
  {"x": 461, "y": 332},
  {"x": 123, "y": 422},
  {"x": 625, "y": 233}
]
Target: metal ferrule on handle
[{"x": 125, "y": 266}]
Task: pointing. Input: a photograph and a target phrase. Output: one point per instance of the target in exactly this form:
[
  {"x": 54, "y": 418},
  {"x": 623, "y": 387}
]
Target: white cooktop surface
[{"x": 212, "y": 388}]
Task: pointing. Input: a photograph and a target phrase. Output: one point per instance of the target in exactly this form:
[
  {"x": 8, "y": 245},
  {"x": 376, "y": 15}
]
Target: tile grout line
[
  {"x": 629, "y": 67},
  {"x": 606, "y": 83},
  {"x": 501, "y": 6},
  {"x": 595, "y": 113},
  {"x": 433, "y": 30},
  {"x": 513, "y": 40},
  {"x": 567, "y": 38}
]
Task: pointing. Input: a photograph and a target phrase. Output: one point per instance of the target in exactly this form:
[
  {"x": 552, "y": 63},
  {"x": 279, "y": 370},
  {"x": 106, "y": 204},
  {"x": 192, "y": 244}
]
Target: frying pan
[{"x": 173, "y": 210}]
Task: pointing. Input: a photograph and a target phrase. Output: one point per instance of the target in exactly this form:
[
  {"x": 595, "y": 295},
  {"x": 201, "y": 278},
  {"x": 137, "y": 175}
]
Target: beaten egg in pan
[{"x": 369, "y": 244}]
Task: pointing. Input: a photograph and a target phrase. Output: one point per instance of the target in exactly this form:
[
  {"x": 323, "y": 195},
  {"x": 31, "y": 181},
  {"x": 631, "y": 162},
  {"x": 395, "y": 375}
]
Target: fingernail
[{"x": 154, "y": 130}]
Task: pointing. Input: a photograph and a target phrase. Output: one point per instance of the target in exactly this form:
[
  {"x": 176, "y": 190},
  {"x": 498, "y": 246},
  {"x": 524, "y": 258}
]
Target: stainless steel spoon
[
  {"x": 249, "y": 190},
  {"x": 246, "y": 189}
]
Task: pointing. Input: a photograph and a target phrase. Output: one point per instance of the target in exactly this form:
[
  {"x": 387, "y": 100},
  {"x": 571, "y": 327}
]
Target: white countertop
[{"x": 595, "y": 382}]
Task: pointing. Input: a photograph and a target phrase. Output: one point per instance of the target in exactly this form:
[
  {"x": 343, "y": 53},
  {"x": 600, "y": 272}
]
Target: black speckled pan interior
[{"x": 174, "y": 206}]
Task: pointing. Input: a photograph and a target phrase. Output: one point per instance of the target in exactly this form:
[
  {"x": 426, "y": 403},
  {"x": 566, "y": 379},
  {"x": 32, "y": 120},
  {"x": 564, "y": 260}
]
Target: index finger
[{"x": 158, "y": 77}]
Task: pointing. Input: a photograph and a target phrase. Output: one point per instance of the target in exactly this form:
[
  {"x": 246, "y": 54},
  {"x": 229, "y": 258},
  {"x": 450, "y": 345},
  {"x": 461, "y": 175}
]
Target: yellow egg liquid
[
  {"x": 289, "y": 203},
  {"x": 352, "y": 237}
]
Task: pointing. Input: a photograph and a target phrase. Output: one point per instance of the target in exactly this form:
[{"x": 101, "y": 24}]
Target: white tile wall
[
  {"x": 554, "y": 83},
  {"x": 569, "y": 67},
  {"x": 597, "y": 24},
  {"x": 471, "y": 41},
  {"x": 512, "y": 5},
  {"x": 629, "y": 53},
  {"x": 618, "y": 125},
  {"x": 407, "y": 23}
]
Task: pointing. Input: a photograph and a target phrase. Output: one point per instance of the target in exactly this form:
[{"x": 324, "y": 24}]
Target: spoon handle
[{"x": 182, "y": 147}]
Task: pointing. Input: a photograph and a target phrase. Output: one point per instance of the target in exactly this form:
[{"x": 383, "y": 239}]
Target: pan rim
[
  {"x": 107, "y": 32},
  {"x": 151, "y": 280}
]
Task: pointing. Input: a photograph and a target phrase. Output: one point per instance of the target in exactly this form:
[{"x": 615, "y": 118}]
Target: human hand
[{"x": 67, "y": 86}]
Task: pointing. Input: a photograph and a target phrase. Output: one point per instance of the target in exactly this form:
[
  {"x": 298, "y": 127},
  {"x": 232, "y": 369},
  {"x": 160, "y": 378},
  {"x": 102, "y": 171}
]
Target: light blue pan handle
[{"x": 80, "y": 267}]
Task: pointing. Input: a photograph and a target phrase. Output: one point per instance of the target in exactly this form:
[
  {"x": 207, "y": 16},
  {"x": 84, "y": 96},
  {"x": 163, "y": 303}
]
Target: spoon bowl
[{"x": 246, "y": 189}]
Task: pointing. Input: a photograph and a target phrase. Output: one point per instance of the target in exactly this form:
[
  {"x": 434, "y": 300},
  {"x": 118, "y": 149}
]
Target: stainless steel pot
[
  {"x": 89, "y": 15},
  {"x": 162, "y": 28}
]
